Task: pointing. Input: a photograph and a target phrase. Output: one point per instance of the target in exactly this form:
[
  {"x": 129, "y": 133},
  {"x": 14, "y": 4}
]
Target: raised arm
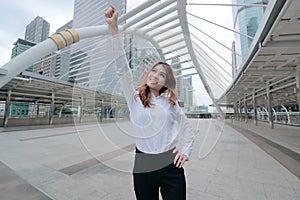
[
  {"x": 122, "y": 68},
  {"x": 111, "y": 17}
]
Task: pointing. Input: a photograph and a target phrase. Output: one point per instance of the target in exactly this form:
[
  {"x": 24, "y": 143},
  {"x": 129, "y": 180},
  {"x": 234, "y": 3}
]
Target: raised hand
[{"x": 111, "y": 16}]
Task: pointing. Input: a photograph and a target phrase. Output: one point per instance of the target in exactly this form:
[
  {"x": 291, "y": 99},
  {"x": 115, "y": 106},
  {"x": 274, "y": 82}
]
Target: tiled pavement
[{"x": 94, "y": 161}]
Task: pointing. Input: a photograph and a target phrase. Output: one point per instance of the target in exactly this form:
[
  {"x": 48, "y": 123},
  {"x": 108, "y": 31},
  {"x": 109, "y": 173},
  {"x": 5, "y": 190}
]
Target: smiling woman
[
  {"x": 158, "y": 80},
  {"x": 163, "y": 135}
]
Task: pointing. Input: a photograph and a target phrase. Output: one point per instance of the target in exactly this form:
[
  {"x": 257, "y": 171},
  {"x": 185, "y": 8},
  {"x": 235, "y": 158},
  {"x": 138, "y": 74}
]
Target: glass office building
[
  {"x": 37, "y": 31},
  {"x": 90, "y": 57},
  {"x": 19, "y": 47},
  {"x": 246, "y": 21}
]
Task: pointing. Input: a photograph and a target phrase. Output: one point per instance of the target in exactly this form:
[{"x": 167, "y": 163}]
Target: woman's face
[{"x": 157, "y": 78}]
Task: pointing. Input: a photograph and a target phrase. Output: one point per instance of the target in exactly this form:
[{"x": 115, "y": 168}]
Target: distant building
[
  {"x": 35, "y": 32},
  {"x": 179, "y": 78},
  {"x": 246, "y": 20},
  {"x": 90, "y": 58},
  {"x": 47, "y": 65},
  {"x": 202, "y": 108},
  {"x": 38, "y": 30},
  {"x": 18, "y": 109},
  {"x": 66, "y": 26},
  {"x": 63, "y": 58},
  {"x": 55, "y": 64},
  {"x": 19, "y": 47},
  {"x": 188, "y": 91}
]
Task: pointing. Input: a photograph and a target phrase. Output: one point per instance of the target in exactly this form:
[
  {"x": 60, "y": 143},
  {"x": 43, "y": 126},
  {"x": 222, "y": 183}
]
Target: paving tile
[{"x": 235, "y": 168}]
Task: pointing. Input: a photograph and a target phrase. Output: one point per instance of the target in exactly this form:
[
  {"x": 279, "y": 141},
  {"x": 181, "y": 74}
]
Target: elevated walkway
[
  {"x": 282, "y": 142},
  {"x": 94, "y": 161}
]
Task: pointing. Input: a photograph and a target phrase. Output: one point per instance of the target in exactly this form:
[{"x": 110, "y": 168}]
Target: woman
[{"x": 163, "y": 136}]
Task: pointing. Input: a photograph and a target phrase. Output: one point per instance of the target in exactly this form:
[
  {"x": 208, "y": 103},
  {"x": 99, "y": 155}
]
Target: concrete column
[
  {"x": 254, "y": 108},
  {"x": 37, "y": 108},
  {"x": 101, "y": 114},
  {"x": 52, "y": 107},
  {"x": 81, "y": 108},
  {"x": 287, "y": 114},
  {"x": 6, "y": 109},
  {"x": 298, "y": 84},
  {"x": 235, "y": 110},
  {"x": 269, "y": 103},
  {"x": 246, "y": 109},
  {"x": 240, "y": 109}
]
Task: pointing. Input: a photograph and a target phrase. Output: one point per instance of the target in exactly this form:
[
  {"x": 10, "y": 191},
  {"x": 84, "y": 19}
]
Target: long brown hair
[{"x": 168, "y": 89}]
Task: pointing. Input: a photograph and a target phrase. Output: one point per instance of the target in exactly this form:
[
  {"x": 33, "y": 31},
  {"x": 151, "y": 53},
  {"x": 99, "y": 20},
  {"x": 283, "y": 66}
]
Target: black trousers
[{"x": 154, "y": 172}]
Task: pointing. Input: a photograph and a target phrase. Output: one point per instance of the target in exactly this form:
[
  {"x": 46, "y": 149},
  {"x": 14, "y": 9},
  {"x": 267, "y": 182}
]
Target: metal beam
[
  {"x": 269, "y": 103},
  {"x": 156, "y": 17},
  {"x": 224, "y": 4},
  {"x": 6, "y": 110},
  {"x": 232, "y": 30},
  {"x": 138, "y": 9},
  {"x": 148, "y": 13},
  {"x": 283, "y": 73},
  {"x": 283, "y": 44}
]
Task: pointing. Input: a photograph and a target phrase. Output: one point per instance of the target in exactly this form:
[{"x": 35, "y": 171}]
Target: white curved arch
[
  {"x": 185, "y": 29},
  {"x": 144, "y": 20}
]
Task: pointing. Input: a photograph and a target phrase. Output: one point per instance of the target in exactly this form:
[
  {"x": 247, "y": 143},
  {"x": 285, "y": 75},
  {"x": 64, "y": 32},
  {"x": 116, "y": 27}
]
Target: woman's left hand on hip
[{"x": 179, "y": 159}]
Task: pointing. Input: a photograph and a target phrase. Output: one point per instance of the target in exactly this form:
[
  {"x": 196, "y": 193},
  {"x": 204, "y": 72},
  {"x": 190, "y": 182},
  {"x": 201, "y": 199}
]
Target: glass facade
[
  {"x": 63, "y": 58},
  {"x": 19, "y": 47},
  {"x": 18, "y": 109},
  {"x": 90, "y": 57},
  {"x": 246, "y": 21},
  {"x": 38, "y": 30}
]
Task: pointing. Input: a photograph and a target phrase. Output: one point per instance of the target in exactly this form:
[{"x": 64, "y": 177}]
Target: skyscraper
[
  {"x": 188, "y": 91},
  {"x": 38, "y": 30},
  {"x": 63, "y": 58},
  {"x": 179, "y": 78},
  {"x": 246, "y": 20},
  {"x": 19, "y": 47},
  {"x": 20, "y": 108},
  {"x": 90, "y": 57}
]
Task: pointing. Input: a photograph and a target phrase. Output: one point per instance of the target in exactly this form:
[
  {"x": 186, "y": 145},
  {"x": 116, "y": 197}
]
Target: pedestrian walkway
[
  {"x": 282, "y": 142},
  {"x": 94, "y": 161},
  {"x": 14, "y": 187}
]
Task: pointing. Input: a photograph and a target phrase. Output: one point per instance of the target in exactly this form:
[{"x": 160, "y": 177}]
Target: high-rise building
[
  {"x": 90, "y": 58},
  {"x": 55, "y": 64},
  {"x": 179, "y": 78},
  {"x": 19, "y": 47},
  {"x": 246, "y": 20},
  {"x": 63, "y": 58},
  {"x": 188, "y": 91},
  {"x": 66, "y": 26},
  {"x": 37, "y": 30},
  {"x": 20, "y": 108},
  {"x": 47, "y": 65}
]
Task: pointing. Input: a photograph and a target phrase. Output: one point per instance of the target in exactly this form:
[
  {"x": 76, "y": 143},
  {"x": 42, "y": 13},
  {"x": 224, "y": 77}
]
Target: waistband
[
  {"x": 145, "y": 162},
  {"x": 139, "y": 151}
]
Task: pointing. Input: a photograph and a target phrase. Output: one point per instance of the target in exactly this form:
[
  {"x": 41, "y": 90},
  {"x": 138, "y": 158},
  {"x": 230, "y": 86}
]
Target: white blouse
[{"x": 156, "y": 129}]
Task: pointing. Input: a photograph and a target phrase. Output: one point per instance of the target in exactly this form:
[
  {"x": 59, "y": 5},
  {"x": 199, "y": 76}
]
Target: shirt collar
[{"x": 157, "y": 97}]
